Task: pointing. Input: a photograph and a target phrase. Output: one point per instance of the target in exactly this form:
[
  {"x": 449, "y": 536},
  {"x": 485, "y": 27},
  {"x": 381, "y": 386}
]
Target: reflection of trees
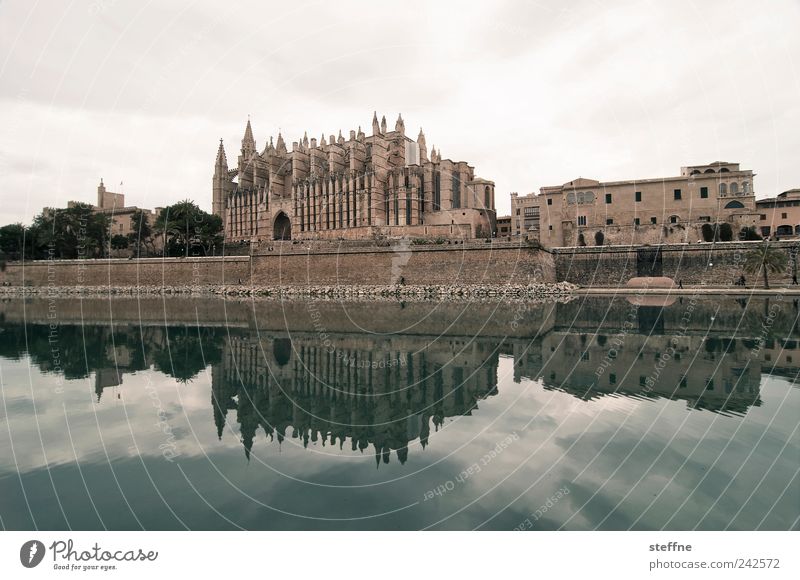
[
  {"x": 78, "y": 351},
  {"x": 188, "y": 350}
]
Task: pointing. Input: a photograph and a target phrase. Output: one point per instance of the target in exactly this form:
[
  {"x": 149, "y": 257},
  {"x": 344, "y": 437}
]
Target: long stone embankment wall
[
  {"x": 124, "y": 272},
  {"x": 351, "y": 264},
  {"x": 477, "y": 263},
  {"x": 713, "y": 264}
]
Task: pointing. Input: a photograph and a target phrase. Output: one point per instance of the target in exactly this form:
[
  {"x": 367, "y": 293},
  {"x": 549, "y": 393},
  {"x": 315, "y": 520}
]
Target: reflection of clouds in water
[{"x": 477, "y": 390}]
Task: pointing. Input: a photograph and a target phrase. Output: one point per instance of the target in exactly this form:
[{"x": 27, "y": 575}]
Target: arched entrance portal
[{"x": 282, "y": 228}]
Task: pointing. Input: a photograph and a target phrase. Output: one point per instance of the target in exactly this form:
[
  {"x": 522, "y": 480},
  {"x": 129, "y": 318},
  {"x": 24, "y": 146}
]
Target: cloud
[{"x": 530, "y": 94}]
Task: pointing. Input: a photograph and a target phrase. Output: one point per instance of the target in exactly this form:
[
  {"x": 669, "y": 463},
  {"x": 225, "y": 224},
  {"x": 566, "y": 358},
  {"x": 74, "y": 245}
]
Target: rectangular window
[
  {"x": 550, "y": 227},
  {"x": 653, "y": 220},
  {"x": 638, "y": 196},
  {"x": 608, "y": 198},
  {"x": 636, "y": 221},
  {"x": 517, "y": 211},
  {"x": 676, "y": 194},
  {"x": 609, "y": 222},
  {"x": 703, "y": 193},
  {"x": 673, "y": 219},
  {"x": 783, "y": 216},
  {"x": 763, "y": 217},
  {"x": 704, "y": 218},
  {"x": 581, "y": 220},
  {"x": 549, "y": 201}
]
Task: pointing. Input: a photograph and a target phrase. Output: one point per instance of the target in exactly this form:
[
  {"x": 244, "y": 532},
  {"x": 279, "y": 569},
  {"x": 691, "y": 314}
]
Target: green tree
[
  {"x": 119, "y": 242},
  {"x": 188, "y": 230},
  {"x": 12, "y": 240},
  {"x": 767, "y": 260},
  {"x": 141, "y": 235},
  {"x": 725, "y": 232},
  {"x": 74, "y": 232}
]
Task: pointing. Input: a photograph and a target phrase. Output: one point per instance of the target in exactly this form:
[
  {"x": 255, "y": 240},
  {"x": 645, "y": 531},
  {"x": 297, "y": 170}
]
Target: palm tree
[{"x": 766, "y": 259}]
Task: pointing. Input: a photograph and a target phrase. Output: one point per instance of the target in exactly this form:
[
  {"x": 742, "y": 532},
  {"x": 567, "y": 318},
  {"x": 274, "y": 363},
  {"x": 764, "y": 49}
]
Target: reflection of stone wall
[{"x": 422, "y": 318}]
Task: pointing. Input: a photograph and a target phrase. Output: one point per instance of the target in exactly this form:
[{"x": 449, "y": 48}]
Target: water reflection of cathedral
[{"x": 379, "y": 393}]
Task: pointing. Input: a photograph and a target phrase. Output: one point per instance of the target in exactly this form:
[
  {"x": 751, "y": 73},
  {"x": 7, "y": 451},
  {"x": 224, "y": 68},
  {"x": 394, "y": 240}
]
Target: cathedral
[{"x": 385, "y": 185}]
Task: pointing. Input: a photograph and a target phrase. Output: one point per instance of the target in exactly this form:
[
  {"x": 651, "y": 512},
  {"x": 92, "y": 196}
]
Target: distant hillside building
[
  {"x": 120, "y": 215},
  {"x": 381, "y": 185},
  {"x": 656, "y": 210}
]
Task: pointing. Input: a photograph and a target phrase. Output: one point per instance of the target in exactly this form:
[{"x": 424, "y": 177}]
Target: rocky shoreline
[{"x": 558, "y": 290}]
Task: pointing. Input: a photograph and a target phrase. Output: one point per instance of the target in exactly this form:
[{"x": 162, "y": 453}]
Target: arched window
[
  {"x": 734, "y": 205},
  {"x": 734, "y": 187},
  {"x": 709, "y": 170},
  {"x": 745, "y": 187},
  {"x": 570, "y": 197},
  {"x": 723, "y": 188},
  {"x": 695, "y": 172},
  {"x": 724, "y": 170},
  {"x": 487, "y": 197},
  {"x": 589, "y": 197},
  {"x": 581, "y": 197}
]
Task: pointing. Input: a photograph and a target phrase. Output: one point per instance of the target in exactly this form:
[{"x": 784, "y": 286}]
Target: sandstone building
[
  {"x": 363, "y": 187},
  {"x": 642, "y": 211},
  {"x": 119, "y": 215},
  {"x": 780, "y": 216}
]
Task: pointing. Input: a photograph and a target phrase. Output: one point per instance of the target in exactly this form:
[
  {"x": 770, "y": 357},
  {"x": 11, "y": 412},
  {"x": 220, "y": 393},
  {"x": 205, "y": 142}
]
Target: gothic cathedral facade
[{"x": 366, "y": 187}]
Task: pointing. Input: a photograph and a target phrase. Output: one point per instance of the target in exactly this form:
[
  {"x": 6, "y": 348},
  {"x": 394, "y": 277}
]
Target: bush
[
  {"x": 749, "y": 234},
  {"x": 725, "y": 232}
]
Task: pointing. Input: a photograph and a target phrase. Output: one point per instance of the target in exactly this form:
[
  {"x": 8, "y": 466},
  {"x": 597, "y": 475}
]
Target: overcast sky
[{"x": 529, "y": 93}]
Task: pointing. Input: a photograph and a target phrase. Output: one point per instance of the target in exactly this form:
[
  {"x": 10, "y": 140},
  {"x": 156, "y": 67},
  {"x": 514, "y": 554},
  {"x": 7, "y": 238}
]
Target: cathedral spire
[
  {"x": 400, "y": 126},
  {"x": 383, "y": 124},
  {"x": 423, "y": 149},
  {"x": 222, "y": 160},
  {"x": 248, "y": 143},
  {"x": 376, "y": 129}
]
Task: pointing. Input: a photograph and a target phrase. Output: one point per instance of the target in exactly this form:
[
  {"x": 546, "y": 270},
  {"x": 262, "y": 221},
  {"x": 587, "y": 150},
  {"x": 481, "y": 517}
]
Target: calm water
[{"x": 211, "y": 414}]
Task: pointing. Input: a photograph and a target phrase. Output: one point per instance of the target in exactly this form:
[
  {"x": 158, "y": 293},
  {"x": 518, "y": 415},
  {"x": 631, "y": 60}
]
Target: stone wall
[
  {"x": 122, "y": 272},
  {"x": 497, "y": 263},
  {"x": 336, "y": 263},
  {"x": 294, "y": 264},
  {"x": 710, "y": 263}
]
